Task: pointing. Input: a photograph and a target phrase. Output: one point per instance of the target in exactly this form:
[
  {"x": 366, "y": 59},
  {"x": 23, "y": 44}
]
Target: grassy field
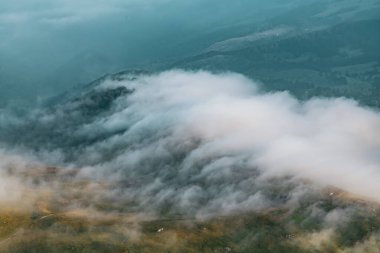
[
  {"x": 70, "y": 219},
  {"x": 277, "y": 230}
]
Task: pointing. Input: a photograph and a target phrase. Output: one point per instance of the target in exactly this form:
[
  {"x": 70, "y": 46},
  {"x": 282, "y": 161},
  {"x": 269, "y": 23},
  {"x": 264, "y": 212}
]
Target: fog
[
  {"x": 192, "y": 121},
  {"x": 204, "y": 144}
]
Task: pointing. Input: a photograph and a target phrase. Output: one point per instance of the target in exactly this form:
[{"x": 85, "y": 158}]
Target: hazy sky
[
  {"x": 48, "y": 46},
  {"x": 51, "y": 44}
]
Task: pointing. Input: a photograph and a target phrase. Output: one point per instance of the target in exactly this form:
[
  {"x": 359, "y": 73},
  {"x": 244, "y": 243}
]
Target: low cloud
[
  {"x": 331, "y": 141},
  {"x": 202, "y": 143}
]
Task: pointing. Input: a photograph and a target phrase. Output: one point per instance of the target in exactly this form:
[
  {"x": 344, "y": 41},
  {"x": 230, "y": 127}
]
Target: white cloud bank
[
  {"x": 331, "y": 141},
  {"x": 206, "y": 143}
]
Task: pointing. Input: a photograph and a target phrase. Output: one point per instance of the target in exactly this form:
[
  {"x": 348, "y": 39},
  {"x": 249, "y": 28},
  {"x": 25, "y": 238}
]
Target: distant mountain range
[
  {"x": 342, "y": 60},
  {"x": 322, "y": 48}
]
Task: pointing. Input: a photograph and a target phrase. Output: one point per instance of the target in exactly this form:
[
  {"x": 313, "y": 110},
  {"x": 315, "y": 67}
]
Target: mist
[
  {"x": 330, "y": 141},
  {"x": 189, "y": 126},
  {"x": 204, "y": 144}
]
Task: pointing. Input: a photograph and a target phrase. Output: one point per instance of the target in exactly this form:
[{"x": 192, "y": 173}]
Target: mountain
[
  {"x": 233, "y": 138},
  {"x": 323, "y": 62},
  {"x": 317, "y": 48},
  {"x": 122, "y": 165}
]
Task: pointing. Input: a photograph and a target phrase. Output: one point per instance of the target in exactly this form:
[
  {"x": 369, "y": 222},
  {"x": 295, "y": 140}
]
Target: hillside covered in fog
[{"x": 190, "y": 126}]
